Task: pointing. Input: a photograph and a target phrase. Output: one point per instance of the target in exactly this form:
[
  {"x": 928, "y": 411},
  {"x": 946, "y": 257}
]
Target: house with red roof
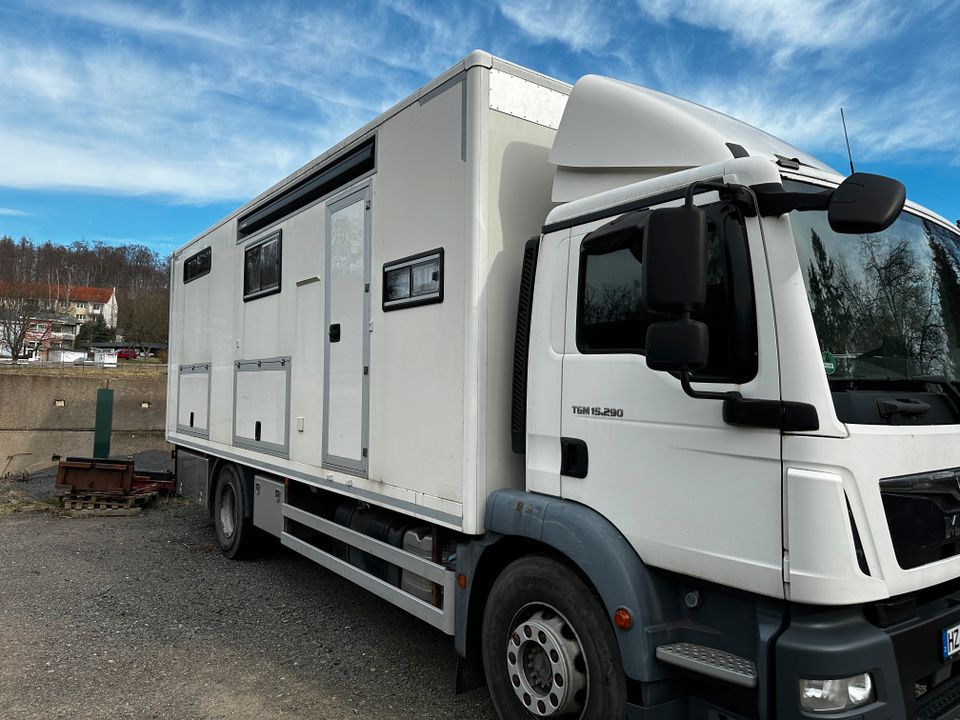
[{"x": 55, "y": 316}]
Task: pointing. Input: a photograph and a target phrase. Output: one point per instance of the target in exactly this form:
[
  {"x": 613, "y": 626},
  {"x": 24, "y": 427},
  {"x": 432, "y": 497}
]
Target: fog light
[{"x": 836, "y": 695}]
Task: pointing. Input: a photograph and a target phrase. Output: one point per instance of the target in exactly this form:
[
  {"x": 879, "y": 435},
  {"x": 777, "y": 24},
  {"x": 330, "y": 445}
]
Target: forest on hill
[{"x": 139, "y": 275}]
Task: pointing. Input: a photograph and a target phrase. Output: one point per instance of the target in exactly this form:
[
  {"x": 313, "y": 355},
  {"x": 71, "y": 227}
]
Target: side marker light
[{"x": 623, "y": 619}]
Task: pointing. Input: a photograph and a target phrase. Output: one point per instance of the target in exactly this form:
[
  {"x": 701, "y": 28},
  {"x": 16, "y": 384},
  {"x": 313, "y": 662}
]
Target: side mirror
[
  {"x": 865, "y": 203},
  {"x": 677, "y": 345},
  {"x": 674, "y": 269},
  {"x": 674, "y": 280}
]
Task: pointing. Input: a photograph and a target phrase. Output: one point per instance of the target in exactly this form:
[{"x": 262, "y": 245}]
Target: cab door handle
[
  {"x": 573, "y": 457},
  {"x": 335, "y": 332}
]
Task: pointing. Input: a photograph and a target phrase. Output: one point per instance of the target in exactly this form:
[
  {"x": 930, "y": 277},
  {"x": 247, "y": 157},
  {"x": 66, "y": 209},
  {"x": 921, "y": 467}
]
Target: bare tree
[
  {"x": 145, "y": 317},
  {"x": 20, "y": 319}
]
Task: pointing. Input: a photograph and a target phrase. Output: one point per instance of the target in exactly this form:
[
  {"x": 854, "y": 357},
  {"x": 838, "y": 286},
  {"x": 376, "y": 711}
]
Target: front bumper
[{"x": 899, "y": 642}]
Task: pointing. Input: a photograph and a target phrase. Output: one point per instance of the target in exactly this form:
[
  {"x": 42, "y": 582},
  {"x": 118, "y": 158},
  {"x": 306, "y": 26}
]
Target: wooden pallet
[{"x": 106, "y": 505}]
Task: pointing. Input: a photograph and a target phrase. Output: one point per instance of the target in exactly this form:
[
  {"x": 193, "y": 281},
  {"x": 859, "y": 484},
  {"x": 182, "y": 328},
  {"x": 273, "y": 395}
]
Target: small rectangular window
[
  {"x": 261, "y": 268},
  {"x": 197, "y": 265},
  {"x": 413, "y": 280}
]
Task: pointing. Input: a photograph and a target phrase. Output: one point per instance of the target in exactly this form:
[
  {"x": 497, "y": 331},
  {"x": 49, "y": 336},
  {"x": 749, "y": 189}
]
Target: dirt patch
[
  {"x": 142, "y": 617},
  {"x": 18, "y": 494}
]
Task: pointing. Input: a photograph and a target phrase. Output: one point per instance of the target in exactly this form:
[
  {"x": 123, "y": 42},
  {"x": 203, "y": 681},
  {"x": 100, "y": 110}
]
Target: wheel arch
[
  {"x": 246, "y": 477},
  {"x": 520, "y": 523}
]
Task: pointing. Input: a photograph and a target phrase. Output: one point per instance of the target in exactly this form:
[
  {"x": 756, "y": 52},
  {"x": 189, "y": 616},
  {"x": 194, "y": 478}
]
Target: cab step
[{"x": 711, "y": 662}]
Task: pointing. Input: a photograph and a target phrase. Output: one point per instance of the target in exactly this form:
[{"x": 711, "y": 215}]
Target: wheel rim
[
  {"x": 228, "y": 503},
  {"x": 545, "y": 662}
]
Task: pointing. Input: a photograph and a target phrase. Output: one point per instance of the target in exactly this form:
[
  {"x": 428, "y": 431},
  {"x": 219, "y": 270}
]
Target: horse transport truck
[{"x": 655, "y": 414}]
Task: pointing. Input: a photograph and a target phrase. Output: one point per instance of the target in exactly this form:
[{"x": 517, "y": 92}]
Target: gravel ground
[{"x": 142, "y": 617}]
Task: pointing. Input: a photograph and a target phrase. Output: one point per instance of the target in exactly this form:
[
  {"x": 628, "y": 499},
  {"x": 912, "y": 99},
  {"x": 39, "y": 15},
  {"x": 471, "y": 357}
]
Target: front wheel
[
  {"x": 549, "y": 649},
  {"x": 234, "y": 531}
]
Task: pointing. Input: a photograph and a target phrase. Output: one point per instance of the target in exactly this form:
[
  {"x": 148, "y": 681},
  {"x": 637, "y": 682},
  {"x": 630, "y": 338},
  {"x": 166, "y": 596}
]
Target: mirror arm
[
  {"x": 722, "y": 188},
  {"x": 773, "y": 200},
  {"x": 703, "y": 394},
  {"x": 740, "y": 195}
]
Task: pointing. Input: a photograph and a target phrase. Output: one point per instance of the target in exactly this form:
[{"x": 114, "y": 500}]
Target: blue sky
[{"x": 148, "y": 122}]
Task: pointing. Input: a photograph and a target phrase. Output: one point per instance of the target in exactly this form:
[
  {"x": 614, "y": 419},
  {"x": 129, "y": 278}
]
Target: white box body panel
[{"x": 432, "y": 421}]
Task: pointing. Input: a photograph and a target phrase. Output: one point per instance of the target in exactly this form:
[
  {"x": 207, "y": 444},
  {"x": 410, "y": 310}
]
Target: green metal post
[{"x": 104, "y": 424}]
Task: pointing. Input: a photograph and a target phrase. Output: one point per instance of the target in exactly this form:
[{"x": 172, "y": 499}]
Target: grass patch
[
  {"x": 125, "y": 368},
  {"x": 14, "y": 499}
]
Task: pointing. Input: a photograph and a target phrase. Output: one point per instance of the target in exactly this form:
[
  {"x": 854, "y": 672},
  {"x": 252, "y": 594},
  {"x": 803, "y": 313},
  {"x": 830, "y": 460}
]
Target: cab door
[{"x": 691, "y": 493}]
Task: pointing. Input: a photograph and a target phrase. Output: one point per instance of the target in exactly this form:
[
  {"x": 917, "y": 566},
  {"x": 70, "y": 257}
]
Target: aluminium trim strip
[
  {"x": 440, "y": 618},
  {"x": 404, "y": 506},
  {"x": 408, "y": 561}
]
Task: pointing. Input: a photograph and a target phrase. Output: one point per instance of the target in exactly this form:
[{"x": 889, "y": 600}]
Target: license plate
[{"x": 951, "y": 641}]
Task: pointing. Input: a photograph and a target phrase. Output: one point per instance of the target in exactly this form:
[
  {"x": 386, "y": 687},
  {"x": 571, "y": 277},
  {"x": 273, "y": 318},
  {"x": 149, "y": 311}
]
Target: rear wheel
[
  {"x": 234, "y": 531},
  {"x": 549, "y": 649}
]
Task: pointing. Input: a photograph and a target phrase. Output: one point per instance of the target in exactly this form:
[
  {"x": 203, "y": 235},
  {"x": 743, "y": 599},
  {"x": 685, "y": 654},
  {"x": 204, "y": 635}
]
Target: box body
[{"x": 318, "y": 367}]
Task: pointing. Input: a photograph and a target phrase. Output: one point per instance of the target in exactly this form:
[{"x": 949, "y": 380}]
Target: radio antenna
[{"x": 847, "y": 138}]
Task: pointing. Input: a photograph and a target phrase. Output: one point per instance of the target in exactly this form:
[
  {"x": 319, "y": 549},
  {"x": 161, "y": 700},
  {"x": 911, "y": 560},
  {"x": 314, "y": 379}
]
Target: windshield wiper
[
  {"x": 895, "y": 394},
  {"x": 908, "y": 408}
]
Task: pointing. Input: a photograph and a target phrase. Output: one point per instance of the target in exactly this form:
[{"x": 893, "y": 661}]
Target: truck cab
[{"x": 794, "y": 498}]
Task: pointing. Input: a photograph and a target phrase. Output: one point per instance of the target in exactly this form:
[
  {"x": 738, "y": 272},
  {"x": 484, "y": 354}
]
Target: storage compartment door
[
  {"x": 261, "y": 418},
  {"x": 193, "y": 399},
  {"x": 347, "y": 346}
]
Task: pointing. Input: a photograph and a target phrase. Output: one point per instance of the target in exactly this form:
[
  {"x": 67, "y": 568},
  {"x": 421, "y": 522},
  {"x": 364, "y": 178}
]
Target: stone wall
[{"x": 46, "y": 414}]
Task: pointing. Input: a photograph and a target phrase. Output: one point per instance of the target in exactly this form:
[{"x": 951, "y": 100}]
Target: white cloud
[
  {"x": 786, "y": 26},
  {"x": 200, "y": 104},
  {"x": 910, "y": 123},
  {"x": 579, "y": 25},
  {"x": 10, "y": 212},
  {"x": 146, "y": 22},
  {"x": 203, "y": 103}
]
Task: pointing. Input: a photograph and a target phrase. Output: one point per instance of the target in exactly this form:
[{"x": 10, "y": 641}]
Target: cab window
[{"x": 612, "y": 318}]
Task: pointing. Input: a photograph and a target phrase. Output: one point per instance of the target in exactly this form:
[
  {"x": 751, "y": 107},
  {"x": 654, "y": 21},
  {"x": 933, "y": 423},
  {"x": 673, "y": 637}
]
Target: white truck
[{"x": 654, "y": 413}]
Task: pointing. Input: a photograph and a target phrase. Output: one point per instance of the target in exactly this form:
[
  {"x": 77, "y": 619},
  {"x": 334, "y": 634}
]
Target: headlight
[{"x": 836, "y": 695}]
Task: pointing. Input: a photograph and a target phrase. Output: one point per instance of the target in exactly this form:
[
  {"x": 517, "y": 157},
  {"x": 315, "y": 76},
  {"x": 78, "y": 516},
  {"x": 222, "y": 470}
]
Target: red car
[{"x": 126, "y": 354}]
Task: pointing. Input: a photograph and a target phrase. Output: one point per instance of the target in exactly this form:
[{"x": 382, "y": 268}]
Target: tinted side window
[
  {"x": 194, "y": 266},
  {"x": 611, "y": 316},
  {"x": 261, "y": 268}
]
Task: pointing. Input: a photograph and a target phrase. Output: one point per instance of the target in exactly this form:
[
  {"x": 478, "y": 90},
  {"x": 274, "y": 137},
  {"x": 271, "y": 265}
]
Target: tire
[
  {"x": 235, "y": 533},
  {"x": 542, "y": 621}
]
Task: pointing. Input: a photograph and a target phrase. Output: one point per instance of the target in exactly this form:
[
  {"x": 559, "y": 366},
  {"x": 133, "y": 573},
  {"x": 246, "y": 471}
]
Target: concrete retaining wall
[{"x": 48, "y": 414}]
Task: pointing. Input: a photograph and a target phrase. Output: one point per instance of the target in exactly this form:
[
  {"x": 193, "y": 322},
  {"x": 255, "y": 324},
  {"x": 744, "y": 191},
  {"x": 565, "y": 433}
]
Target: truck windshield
[{"x": 886, "y": 305}]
